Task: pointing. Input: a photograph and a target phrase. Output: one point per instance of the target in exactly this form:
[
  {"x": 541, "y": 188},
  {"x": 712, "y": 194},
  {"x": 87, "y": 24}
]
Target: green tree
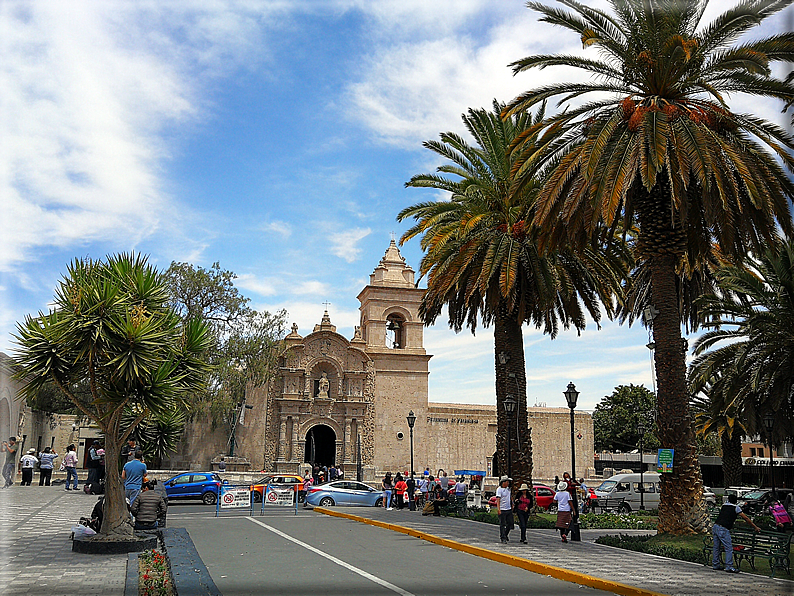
[
  {"x": 658, "y": 150},
  {"x": 482, "y": 261},
  {"x": 751, "y": 321},
  {"x": 245, "y": 343},
  {"x": 617, "y": 417},
  {"x": 111, "y": 328}
]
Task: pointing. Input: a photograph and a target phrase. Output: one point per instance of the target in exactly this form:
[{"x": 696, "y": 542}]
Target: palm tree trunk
[
  {"x": 731, "y": 459},
  {"x": 511, "y": 380},
  {"x": 116, "y": 522},
  {"x": 662, "y": 243},
  {"x": 682, "y": 509}
]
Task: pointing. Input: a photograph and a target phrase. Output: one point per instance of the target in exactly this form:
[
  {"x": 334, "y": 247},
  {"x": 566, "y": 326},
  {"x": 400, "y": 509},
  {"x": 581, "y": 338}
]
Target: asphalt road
[{"x": 311, "y": 553}]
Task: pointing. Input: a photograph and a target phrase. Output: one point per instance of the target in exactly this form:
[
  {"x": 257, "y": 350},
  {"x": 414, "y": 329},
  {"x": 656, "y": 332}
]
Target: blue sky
[{"x": 274, "y": 137}]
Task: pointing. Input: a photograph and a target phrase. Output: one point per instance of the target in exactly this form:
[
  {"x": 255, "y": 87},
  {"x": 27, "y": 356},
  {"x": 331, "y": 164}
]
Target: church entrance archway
[{"x": 320, "y": 446}]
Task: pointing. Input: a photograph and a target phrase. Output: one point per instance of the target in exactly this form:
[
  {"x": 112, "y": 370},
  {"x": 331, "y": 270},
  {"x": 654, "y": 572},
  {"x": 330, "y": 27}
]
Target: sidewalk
[
  {"x": 648, "y": 572},
  {"x": 36, "y": 555}
]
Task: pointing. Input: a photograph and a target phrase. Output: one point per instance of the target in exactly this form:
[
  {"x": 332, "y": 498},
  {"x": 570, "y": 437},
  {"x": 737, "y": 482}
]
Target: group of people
[
  {"x": 429, "y": 492},
  {"x": 146, "y": 504},
  {"x": 320, "y": 474},
  {"x": 46, "y": 463},
  {"x": 524, "y": 500}
]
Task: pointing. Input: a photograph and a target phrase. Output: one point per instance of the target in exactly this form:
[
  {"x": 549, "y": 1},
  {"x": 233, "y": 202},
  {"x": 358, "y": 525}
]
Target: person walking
[
  {"x": 523, "y": 505},
  {"x": 133, "y": 474},
  {"x": 400, "y": 486},
  {"x": 721, "y": 533},
  {"x": 504, "y": 508},
  {"x": 70, "y": 465},
  {"x": 387, "y": 486},
  {"x": 443, "y": 480},
  {"x": 564, "y": 510},
  {"x": 46, "y": 459},
  {"x": 28, "y": 461},
  {"x": 10, "y": 467}
]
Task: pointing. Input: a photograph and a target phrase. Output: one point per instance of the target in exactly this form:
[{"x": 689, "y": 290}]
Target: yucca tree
[
  {"x": 753, "y": 337},
  {"x": 658, "y": 149},
  {"x": 111, "y": 326},
  {"x": 482, "y": 262}
]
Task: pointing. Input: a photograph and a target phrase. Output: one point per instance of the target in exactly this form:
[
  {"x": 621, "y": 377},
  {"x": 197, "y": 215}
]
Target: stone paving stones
[{"x": 36, "y": 555}]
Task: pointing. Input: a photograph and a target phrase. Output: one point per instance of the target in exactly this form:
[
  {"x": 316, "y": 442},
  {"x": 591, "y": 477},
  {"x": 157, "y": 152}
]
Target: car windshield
[
  {"x": 756, "y": 494},
  {"x": 264, "y": 480},
  {"x": 607, "y": 486}
]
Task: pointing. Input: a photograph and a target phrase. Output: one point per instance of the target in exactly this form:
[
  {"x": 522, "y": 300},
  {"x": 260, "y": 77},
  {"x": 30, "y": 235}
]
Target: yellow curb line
[{"x": 533, "y": 566}]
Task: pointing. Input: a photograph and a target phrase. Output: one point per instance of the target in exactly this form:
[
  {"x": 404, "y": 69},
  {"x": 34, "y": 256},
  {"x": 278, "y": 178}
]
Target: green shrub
[
  {"x": 646, "y": 544},
  {"x": 617, "y": 521}
]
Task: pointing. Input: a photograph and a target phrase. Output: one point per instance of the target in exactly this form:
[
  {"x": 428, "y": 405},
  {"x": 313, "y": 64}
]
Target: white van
[{"x": 627, "y": 487}]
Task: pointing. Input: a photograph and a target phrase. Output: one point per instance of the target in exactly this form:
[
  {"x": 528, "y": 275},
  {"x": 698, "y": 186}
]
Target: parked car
[
  {"x": 544, "y": 497},
  {"x": 759, "y": 500},
  {"x": 739, "y": 491},
  {"x": 627, "y": 487},
  {"x": 344, "y": 492},
  {"x": 194, "y": 485},
  {"x": 709, "y": 496},
  {"x": 280, "y": 479}
]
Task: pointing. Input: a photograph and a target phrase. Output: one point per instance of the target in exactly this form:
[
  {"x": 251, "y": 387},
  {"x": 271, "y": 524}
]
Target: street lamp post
[
  {"x": 641, "y": 430},
  {"x": 358, "y": 459},
  {"x": 411, "y": 418},
  {"x": 769, "y": 423},
  {"x": 510, "y": 407},
  {"x": 571, "y": 395}
]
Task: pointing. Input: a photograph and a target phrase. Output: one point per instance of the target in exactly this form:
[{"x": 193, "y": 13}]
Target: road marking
[{"x": 361, "y": 572}]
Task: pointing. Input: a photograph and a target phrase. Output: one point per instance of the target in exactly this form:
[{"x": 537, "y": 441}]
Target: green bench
[
  {"x": 455, "y": 506},
  {"x": 749, "y": 545}
]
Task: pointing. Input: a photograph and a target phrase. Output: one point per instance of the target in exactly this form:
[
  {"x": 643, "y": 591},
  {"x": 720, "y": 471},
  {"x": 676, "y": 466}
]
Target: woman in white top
[
  {"x": 564, "y": 510},
  {"x": 70, "y": 464},
  {"x": 28, "y": 462}
]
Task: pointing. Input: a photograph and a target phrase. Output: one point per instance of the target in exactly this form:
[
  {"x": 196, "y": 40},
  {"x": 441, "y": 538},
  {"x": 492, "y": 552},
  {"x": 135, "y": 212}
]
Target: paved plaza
[{"x": 36, "y": 554}]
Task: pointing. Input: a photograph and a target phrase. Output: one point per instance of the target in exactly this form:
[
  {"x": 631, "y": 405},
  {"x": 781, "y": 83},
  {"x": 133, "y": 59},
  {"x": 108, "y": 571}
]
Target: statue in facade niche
[{"x": 324, "y": 386}]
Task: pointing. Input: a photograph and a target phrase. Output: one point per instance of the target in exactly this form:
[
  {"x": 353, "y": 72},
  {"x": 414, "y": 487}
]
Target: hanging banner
[{"x": 664, "y": 461}]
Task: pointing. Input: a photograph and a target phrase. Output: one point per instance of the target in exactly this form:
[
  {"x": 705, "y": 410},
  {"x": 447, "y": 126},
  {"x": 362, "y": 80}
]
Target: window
[
  {"x": 760, "y": 452},
  {"x": 182, "y": 479},
  {"x": 752, "y": 451},
  {"x": 622, "y": 487}
]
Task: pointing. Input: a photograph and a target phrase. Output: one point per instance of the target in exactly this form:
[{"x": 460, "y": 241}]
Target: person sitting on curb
[
  {"x": 721, "y": 533},
  {"x": 148, "y": 507},
  {"x": 440, "y": 499}
]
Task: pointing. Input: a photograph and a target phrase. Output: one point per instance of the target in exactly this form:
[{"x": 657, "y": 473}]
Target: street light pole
[
  {"x": 641, "y": 430},
  {"x": 510, "y": 407},
  {"x": 769, "y": 423},
  {"x": 411, "y": 421},
  {"x": 358, "y": 459},
  {"x": 571, "y": 395}
]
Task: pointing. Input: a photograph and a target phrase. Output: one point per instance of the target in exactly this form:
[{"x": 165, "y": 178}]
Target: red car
[{"x": 544, "y": 496}]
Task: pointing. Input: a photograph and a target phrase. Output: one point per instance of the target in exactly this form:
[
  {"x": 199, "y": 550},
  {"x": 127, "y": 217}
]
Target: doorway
[{"x": 320, "y": 446}]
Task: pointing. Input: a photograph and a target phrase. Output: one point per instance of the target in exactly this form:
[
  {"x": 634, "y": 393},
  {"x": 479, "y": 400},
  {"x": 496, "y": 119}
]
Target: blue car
[
  {"x": 194, "y": 485},
  {"x": 344, "y": 492}
]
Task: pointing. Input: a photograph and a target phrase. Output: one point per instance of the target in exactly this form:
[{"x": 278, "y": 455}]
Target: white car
[{"x": 709, "y": 495}]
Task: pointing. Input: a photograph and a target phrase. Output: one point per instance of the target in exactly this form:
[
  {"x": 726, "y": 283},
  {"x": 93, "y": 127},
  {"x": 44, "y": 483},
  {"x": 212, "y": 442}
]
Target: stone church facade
[{"x": 334, "y": 396}]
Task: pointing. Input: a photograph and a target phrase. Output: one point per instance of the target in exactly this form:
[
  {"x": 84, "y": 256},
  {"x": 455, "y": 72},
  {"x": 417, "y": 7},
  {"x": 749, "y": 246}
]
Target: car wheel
[
  {"x": 624, "y": 508},
  {"x": 379, "y": 502},
  {"x": 209, "y": 498},
  {"x": 326, "y": 502},
  {"x": 552, "y": 507},
  {"x": 257, "y": 497}
]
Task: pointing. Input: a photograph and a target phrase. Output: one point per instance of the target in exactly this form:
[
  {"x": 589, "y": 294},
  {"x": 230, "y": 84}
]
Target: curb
[
  {"x": 533, "y": 566},
  {"x": 131, "y": 581}
]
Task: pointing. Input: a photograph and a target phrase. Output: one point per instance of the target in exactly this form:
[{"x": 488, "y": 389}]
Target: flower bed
[
  {"x": 154, "y": 574},
  {"x": 588, "y": 521}
]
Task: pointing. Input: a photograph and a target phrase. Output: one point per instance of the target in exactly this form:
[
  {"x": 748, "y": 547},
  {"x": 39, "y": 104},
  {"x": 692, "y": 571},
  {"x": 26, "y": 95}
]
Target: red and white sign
[{"x": 232, "y": 497}]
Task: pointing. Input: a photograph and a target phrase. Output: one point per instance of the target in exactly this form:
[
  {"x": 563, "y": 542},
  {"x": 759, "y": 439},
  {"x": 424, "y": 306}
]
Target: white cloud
[
  {"x": 261, "y": 286},
  {"x": 281, "y": 228},
  {"x": 343, "y": 244}
]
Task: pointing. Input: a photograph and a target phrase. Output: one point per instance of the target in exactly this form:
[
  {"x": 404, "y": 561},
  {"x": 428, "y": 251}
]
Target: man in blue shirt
[{"x": 133, "y": 474}]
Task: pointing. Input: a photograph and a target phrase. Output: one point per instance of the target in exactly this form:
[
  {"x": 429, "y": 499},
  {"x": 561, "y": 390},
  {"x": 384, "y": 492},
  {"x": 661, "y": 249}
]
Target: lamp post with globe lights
[{"x": 769, "y": 424}]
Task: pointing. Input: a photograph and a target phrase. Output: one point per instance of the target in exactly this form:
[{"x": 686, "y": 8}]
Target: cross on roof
[{"x": 326, "y": 304}]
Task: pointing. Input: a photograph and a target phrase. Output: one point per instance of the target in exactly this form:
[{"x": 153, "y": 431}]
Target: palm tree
[
  {"x": 716, "y": 413},
  {"x": 658, "y": 149},
  {"x": 111, "y": 328},
  {"x": 482, "y": 261},
  {"x": 752, "y": 320}
]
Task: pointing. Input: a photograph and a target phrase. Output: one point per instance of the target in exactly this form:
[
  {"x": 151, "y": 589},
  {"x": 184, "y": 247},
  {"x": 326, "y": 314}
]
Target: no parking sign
[
  {"x": 233, "y": 497},
  {"x": 284, "y": 496}
]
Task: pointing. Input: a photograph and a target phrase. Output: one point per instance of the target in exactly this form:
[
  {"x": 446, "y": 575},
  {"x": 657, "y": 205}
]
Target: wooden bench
[{"x": 749, "y": 545}]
